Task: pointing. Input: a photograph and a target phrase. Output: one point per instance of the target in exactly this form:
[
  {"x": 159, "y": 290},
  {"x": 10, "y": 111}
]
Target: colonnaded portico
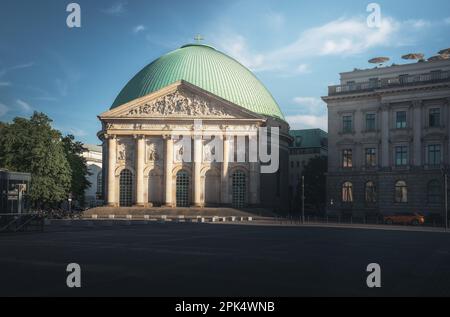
[{"x": 186, "y": 158}]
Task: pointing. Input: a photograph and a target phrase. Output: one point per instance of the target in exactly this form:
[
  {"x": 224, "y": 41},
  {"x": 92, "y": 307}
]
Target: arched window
[
  {"x": 126, "y": 188},
  {"x": 239, "y": 187},
  {"x": 434, "y": 192},
  {"x": 347, "y": 192},
  {"x": 182, "y": 193},
  {"x": 99, "y": 190},
  {"x": 371, "y": 193},
  {"x": 401, "y": 192}
]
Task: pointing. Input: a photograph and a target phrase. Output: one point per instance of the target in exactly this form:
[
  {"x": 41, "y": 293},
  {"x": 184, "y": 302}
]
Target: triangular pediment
[{"x": 180, "y": 101}]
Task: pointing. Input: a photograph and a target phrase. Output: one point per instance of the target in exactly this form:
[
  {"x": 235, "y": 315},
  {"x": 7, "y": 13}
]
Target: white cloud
[
  {"x": 310, "y": 104},
  {"x": 5, "y": 84},
  {"x": 24, "y": 106},
  {"x": 308, "y": 122},
  {"x": 341, "y": 37},
  {"x": 418, "y": 24},
  {"x": 77, "y": 132},
  {"x": 303, "y": 69},
  {"x": 116, "y": 9},
  {"x": 3, "y": 110},
  {"x": 4, "y": 71},
  {"x": 139, "y": 28}
]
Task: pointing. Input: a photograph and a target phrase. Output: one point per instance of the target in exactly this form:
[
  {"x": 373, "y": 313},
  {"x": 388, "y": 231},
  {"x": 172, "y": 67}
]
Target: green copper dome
[{"x": 207, "y": 68}]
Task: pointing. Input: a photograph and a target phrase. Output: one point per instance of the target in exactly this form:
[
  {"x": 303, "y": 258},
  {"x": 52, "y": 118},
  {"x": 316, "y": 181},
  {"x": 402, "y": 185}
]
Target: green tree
[
  {"x": 79, "y": 182},
  {"x": 315, "y": 184},
  {"x": 33, "y": 146}
]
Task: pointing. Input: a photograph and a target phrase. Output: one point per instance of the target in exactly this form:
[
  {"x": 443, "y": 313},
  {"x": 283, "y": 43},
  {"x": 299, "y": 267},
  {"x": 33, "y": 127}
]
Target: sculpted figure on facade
[
  {"x": 152, "y": 153},
  {"x": 178, "y": 104}
]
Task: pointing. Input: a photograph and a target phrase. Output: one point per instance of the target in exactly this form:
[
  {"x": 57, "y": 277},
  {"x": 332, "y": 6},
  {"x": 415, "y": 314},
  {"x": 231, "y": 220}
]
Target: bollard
[
  {"x": 203, "y": 220},
  {"x": 224, "y": 219},
  {"x": 250, "y": 218},
  {"x": 233, "y": 219}
]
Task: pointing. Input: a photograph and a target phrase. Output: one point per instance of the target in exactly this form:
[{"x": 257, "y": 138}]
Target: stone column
[
  {"x": 112, "y": 148},
  {"x": 417, "y": 132},
  {"x": 225, "y": 165},
  {"x": 197, "y": 165},
  {"x": 168, "y": 169},
  {"x": 385, "y": 127},
  {"x": 255, "y": 170},
  {"x": 140, "y": 162}
]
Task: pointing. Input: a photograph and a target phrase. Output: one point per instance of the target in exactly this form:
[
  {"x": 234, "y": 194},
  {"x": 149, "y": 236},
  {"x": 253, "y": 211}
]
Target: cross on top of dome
[{"x": 199, "y": 38}]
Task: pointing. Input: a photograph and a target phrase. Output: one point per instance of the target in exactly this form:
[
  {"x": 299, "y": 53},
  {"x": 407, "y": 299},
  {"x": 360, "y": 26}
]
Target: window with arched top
[
  {"x": 434, "y": 192},
  {"x": 371, "y": 193},
  {"x": 126, "y": 188},
  {"x": 401, "y": 192},
  {"x": 347, "y": 192}
]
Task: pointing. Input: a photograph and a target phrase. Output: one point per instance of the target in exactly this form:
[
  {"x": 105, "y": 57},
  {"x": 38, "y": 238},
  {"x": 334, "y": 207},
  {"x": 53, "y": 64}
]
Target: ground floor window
[
  {"x": 239, "y": 185},
  {"x": 182, "y": 189},
  {"x": 347, "y": 192},
  {"x": 401, "y": 192},
  {"x": 126, "y": 188},
  {"x": 371, "y": 194}
]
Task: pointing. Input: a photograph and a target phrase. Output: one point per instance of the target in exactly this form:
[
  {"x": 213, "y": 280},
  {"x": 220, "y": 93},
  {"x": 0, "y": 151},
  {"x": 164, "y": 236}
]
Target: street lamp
[
  {"x": 303, "y": 199},
  {"x": 445, "y": 172}
]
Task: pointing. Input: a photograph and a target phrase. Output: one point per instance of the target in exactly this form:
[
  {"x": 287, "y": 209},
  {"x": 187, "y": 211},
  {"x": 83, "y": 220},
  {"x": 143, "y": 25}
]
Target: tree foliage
[
  {"x": 33, "y": 146},
  {"x": 315, "y": 184},
  {"x": 79, "y": 182}
]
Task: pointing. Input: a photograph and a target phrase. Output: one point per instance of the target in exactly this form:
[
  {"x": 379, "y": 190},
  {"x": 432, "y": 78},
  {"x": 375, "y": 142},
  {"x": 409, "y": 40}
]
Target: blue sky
[{"x": 297, "y": 48}]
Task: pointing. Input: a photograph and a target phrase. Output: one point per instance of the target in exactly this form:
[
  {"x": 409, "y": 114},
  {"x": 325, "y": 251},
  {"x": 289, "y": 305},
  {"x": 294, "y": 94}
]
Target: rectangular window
[
  {"x": 347, "y": 158},
  {"x": 436, "y": 75},
  {"x": 371, "y": 157},
  {"x": 370, "y": 122},
  {"x": 400, "y": 120},
  {"x": 347, "y": 124},
  {"x": 435, "y": 118},
  {"x": 373, "y": 83},
  {"x": 434, "y": 154},
  {"x": 403, "y": 79},
  {"x": 401, "y": 155}
]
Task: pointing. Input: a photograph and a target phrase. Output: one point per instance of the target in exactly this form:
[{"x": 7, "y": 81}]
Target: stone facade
[
  {"x": 94, "y": 157},
  {"x": 157, "y": 156},
  {"x": 389, "y": 139}
]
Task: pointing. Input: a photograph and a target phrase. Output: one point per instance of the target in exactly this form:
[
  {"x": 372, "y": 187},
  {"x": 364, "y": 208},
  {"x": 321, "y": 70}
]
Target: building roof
[
  {"x": 312, "y": 138},
  {"x": 93, "y": 148},
  {"x": 207, "y": 68}
]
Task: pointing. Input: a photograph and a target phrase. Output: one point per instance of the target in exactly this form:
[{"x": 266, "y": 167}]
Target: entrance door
[
  {"x": 182, "y": 189},
  {"x": 239, "y": 186},
  {"x": 126, "y": 188}
]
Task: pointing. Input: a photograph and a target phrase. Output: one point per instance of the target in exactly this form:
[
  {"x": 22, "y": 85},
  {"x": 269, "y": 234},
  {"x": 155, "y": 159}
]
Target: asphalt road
[{"x": 224, "y": 260}]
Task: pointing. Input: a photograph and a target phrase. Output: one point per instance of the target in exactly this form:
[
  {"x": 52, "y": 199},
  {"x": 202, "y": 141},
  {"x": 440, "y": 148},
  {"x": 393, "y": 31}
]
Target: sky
[{"x": 296, "y": 48}]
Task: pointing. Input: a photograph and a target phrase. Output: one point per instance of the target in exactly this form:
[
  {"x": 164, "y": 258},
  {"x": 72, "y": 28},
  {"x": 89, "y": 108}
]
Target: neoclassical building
[
  {"x": 179, "y": 134},
  {"x": 389, "y": 139}
]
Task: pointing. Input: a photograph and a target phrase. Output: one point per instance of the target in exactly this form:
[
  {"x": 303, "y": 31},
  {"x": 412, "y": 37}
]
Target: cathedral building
[{"x": 184, "y": 132}]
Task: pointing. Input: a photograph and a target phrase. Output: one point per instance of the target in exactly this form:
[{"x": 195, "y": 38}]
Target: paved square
[{"x": 224, "y": 260}]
